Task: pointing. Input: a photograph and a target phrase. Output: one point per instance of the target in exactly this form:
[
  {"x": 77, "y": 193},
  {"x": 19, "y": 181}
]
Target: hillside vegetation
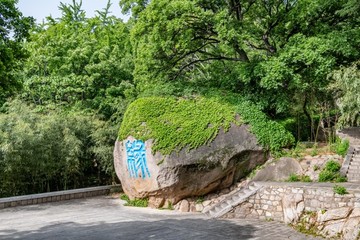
[{"x": 66, "y": 84}]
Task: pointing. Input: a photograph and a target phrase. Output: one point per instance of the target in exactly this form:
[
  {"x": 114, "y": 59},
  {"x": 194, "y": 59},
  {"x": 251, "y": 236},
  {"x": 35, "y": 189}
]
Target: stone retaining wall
[
  {"x": 56, "y": 196},
  {"x": 330, "y": 213}
]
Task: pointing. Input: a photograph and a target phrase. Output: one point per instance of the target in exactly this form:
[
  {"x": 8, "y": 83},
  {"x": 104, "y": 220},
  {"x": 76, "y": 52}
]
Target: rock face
[
  {"x": 279, "y": 170},
  {"x": 173, "y": 177}
]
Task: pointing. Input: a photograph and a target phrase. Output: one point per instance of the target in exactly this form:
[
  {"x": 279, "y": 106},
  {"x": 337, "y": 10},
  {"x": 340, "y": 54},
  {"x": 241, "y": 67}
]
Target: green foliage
[
  {"x": 200, "y": 200},
  {"x": 269, "y": 133},
  {"x": 307, "y": 224},
  {"x": 293, "y": 178},
  {"x": 176, "y": 123},
  {"x": 340, "y": 190},
  {"x": 14, "y": 29},
  {"x": 332, "y": 166},
  {"x": 331, "y": 172},
  {"x": 298, "y": 178},
  {"x": 275, "y": 53},
  {"x": 47, "y": 151},
  {"x": 346, "y": 86},
  {"x": 314, "y": 151},
  {"x": 316, "y": 167},
  {"x": 80, "y": 62},
  {"x": 134, "y": 203},
  {"x": 340, "y": 146}
]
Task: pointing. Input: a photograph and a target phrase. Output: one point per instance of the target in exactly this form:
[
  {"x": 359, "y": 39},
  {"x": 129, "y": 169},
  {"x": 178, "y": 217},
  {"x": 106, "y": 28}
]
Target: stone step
[
  {"x": 252, "y": 187},
  {"x": 354, "y": 163},
  {"x": 353, "y": 170},
  {"x": 354, "y": 181},
  {"x": 354, "y": 167},
  {"x": 353, "y": 176},
  {"x": 232, "y": 200}
]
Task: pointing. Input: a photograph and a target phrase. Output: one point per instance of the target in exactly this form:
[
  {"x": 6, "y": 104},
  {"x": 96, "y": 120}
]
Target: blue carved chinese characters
[{"x": 136, "y": 159}]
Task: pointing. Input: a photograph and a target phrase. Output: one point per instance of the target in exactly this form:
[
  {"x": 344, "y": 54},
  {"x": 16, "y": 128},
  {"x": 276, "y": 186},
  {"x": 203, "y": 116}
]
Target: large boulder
[
  {"x": 279, "y": 170},
  {"x": 170, "y": 178}
]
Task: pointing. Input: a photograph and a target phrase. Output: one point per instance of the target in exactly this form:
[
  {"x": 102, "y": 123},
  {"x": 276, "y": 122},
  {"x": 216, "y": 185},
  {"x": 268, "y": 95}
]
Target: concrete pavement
[{"x": 106, "y": 218}]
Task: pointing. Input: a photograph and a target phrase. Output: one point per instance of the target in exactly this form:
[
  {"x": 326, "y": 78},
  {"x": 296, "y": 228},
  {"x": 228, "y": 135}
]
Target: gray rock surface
[
  {"x": 279, "y": 170},
  {"x": 197, "y": 172},
  {"x": 293, "y": 206}
]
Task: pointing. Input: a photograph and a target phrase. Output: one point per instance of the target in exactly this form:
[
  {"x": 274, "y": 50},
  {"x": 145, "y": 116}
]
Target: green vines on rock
[
  {"x": 270, "y": 134},
  {"x": 176, "y": 123}
]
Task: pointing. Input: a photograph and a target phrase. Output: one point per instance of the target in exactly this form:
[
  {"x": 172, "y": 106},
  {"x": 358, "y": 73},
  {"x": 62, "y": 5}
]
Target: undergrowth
[
  {"x": 331, "y": 172},
  {"x": 340, "y": 190},
  {"x": 340, "y": 146},
  {"x": 136, "y": 202},
  {"x": 298, "y": 178}
]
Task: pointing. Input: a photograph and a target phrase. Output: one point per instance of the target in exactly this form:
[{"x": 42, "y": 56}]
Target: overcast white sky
[{"x": 39, "y": 9}]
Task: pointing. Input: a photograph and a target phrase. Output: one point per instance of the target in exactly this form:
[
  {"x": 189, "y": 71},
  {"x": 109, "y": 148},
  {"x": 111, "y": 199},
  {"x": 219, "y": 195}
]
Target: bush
[
  {"x": 331, "y": 173},
  {"x": 340, "y": 146},
  {"x": 332, "y": 166},
  {"x": 293, "y": 178},
  {"x": 326, "y": 176},
  {"x": 340, "y": 190},
  {"x": 298, "y": 178}
]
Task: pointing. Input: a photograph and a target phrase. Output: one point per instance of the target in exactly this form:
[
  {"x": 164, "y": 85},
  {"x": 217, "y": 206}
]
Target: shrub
[
  {"x": 326, "y": 176},
  {"x": 293, "y": 178},
  {"x": 298, "y": 178},
  {"x": 144, "y": 202},
  {"x": 340, "y": 190},
  {"x": 341, "y": 146},
  {"x": 332, "y": 166},
  {"x": 331, "y": 173}
]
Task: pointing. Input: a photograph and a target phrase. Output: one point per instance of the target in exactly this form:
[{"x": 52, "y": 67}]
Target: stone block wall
[
  {"x": 332, "y": 214},
  {"x": 55, "y": 196}
]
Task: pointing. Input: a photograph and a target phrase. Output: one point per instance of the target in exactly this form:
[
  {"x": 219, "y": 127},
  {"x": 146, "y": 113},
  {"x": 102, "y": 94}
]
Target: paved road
[{"x": 107, "y": 218}]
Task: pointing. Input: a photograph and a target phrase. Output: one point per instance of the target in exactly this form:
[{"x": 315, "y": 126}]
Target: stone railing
[
  {"x": 56, "y": 196},
  {"x": 331, "y": 214}
]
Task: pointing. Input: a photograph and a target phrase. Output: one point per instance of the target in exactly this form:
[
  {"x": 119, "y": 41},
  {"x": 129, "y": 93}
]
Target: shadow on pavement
[{"x": 170, "y": 229}]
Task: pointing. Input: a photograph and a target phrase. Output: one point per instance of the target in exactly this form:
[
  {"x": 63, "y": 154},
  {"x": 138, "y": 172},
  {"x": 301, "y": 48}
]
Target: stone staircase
[
  {"x": 351, "y": 165},
  {"x": 231, "y": 200}
]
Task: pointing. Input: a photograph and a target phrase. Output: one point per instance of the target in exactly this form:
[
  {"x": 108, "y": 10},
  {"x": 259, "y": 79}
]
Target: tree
[
  {"x": 14, "y": 29},
  {"x": 346, "y": 88},
  {"x": 274, "y": 52},
  {"x": 79, "y": 61}
]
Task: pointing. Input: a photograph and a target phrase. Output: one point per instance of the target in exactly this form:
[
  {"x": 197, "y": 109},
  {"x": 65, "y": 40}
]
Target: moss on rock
[{"x": 177, "y": 123}]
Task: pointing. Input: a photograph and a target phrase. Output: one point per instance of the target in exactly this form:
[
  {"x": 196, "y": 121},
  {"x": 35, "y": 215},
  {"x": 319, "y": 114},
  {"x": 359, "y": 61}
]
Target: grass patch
[
  {"x": 134, "y": 203},
  {"x": 340, "y": 190},
  {"x": 307, "y": 224},
  {"x": 298, "y": 178}
]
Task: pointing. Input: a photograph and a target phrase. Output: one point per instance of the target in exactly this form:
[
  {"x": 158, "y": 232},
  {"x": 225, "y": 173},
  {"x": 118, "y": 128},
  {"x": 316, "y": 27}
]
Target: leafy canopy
[
  {"x": 273, "y": 52},
  {"x": 14, "y": 29}
]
